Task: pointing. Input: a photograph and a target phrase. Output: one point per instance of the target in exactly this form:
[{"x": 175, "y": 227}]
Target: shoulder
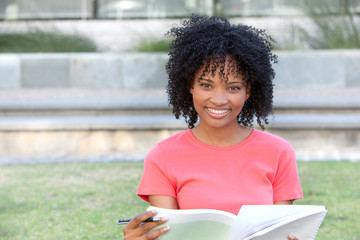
[
  {"x": 271, "y": 143},
  {"x": 270, "y": 138},
  {"x": 274, "y": 148},
  {"x": 172, "y": 143},
  {"x": 175, "y": 141}
]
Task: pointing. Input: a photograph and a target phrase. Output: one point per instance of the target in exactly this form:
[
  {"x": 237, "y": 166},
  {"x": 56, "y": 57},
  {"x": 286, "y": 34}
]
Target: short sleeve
[
  {"x": 286, "y": 184},
  {"x": 155, "y": 179}
]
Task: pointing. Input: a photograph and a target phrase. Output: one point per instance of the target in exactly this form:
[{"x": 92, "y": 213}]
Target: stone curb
[
  {"x": 159, "y": 122},
  {"x": 319, "y": 69},
  {"x": 162, "y": 103}
]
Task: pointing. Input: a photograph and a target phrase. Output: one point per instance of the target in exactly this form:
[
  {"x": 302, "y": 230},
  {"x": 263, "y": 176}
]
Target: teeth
[{"x": 217, "y": 111}]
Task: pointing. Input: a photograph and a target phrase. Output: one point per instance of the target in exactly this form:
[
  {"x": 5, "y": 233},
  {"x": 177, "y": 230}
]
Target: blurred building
[
  {"x": 107, "y": 21},
  {"x": 125, "y": 9}
]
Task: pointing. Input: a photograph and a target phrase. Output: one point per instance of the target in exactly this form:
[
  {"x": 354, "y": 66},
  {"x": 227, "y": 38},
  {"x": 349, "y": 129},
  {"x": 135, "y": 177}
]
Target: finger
[
  {"x": 148, "y": 226},
  {"x": 137, "y": 227},
  {"x": 157, "y": 233},
  {"x": 144, "y": 229},
  {"x": 292, "y": 237},
  {"x": 132, "y": 229},
  {"x": 136, "y": 221}
]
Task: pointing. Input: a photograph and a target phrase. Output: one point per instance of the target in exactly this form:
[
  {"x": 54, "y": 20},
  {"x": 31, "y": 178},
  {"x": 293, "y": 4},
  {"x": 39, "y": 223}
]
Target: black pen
[{"x": 125, "y": 221}]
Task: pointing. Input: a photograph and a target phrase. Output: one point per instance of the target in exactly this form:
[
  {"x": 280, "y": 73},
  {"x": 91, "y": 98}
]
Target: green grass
[
  {"x": 337, "y": 186},
  {"x": 42, "y": 41},
  {"x": 67, "y": 201},
  {"x": 84, "y": 200}
]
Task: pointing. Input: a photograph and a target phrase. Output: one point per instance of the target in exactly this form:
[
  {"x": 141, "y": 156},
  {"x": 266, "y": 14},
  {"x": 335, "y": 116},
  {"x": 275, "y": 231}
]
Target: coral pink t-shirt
[{"x": 259, "y": 170}]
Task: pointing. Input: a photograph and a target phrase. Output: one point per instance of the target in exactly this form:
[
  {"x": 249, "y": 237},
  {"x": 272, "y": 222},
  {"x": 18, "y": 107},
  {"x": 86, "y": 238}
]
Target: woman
[{"x": 220, "y": 80}]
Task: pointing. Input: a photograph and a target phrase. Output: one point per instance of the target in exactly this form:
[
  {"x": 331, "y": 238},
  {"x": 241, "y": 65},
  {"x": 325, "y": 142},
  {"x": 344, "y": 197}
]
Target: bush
[
  {"x": 336, "y": 27},
  {"x": 45, "y": 41},
  {"x": 154, "y": 45}
]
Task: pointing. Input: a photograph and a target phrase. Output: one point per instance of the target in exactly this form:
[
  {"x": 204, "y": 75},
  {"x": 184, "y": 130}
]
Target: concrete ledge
[
  {"x": 10, "y": 71},
  {"x": 141, "y": 114},
  {"x": 296, "y": 69},
  {"x": 47, "y": 160},
  {"x": 158, "y": 122},
  {"x": 162, "y": 103},
  {"x": 319, "y": 68},
  {"x": 45, "y": 70},
  {"x": 353, "y": 156},
  {"x": 117, "y": 145},
  {"x": 83, "y": 70},
  {"x": 316, "y": 121},
  {"x": 83, "y": 104},
  {"x": 71, "y": 123},
  {"x": 296, "y": 102}
]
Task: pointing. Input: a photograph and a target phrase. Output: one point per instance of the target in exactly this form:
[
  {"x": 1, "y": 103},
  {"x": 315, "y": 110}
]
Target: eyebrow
[
  {"x": 234, "y": 82},
  {"x": 227, "y": 82},
  {"x": 205, "y": 79}
]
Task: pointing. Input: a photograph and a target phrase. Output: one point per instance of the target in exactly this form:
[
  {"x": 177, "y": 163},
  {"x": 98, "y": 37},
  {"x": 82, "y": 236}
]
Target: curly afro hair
[{"x": 201, "y": 40}]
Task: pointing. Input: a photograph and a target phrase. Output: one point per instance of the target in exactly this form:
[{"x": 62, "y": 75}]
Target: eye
[
  {"x": 234, "y": 88},
  {"x": 205, "y": 85}
]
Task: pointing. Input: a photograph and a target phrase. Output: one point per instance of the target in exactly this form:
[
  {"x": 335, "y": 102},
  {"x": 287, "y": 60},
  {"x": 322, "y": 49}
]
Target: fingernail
[
  {"x": 166, "y": 228},
  {"x": 291, "y": 237}
]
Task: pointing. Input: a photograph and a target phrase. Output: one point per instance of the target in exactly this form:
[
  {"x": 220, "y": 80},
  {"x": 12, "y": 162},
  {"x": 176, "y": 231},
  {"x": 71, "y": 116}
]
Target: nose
[{"x": 219, "y": 98}]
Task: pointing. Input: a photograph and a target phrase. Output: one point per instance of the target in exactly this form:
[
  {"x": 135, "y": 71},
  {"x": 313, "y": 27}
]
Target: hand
[
  {"x": 292, "y": 237},
  {"x": 137, "y": 229}
]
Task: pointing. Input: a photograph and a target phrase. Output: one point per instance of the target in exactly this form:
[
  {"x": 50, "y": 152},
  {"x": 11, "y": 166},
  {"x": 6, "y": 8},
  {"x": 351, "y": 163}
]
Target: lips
[{"x": 217, "y": 113}]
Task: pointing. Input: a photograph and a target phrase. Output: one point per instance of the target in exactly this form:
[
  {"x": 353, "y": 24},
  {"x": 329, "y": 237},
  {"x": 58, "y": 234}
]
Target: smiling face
[{"x": 219, "y": 98}]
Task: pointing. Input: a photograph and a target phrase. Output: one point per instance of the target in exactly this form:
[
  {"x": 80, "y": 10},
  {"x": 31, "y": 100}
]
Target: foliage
[
  {"x": 84, "y": 200},
  {"x": 154, "y": 45},
  {"x": 44, "y": 41},
  {"x": 335, "y": 25}
]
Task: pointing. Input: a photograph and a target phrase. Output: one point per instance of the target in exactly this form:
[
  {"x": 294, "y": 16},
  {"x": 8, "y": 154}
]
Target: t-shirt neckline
[{"x": 196, "y": 141}]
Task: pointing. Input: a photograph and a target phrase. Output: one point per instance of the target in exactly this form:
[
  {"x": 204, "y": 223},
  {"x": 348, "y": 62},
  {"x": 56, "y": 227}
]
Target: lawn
[{"x": 84, "y": 200}]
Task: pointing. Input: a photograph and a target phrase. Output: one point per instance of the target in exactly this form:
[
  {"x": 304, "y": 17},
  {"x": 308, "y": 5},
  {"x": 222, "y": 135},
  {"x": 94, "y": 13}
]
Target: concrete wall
[
  {"x": 104, "y": 107},
  {"x": 296, "y": 69},
  {"x": 115, "y": 71}
]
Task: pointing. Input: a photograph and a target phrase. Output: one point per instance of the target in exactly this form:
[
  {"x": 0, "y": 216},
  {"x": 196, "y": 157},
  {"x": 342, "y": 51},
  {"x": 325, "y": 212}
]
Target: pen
[{"x": 125, "y": 221}]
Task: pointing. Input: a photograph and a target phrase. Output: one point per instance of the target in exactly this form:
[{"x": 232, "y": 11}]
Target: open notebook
[{"x": 270, "y": 222}]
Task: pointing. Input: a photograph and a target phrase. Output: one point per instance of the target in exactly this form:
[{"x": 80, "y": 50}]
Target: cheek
[
  {"x": 195, "y": 100},
  {"x": 198, "y": 101},
  {"x": 195, "y": 94},
  {"x": 238, "y": 103}
]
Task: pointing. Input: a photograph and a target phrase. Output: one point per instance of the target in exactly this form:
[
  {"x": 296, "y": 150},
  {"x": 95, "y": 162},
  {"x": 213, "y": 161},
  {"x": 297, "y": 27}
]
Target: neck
[{"x": 221, "y": 137}]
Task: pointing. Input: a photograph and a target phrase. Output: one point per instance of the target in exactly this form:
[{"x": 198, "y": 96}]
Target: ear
[
  {"x": 248, "y": 91},
  {"x": 191, "y": 90}
]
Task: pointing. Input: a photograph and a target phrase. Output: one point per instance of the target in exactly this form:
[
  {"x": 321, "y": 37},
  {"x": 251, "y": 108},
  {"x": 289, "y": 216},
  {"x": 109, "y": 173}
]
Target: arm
[
  {"x": 287, "y": 202},
  {"x": 163, "y": 202}
]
